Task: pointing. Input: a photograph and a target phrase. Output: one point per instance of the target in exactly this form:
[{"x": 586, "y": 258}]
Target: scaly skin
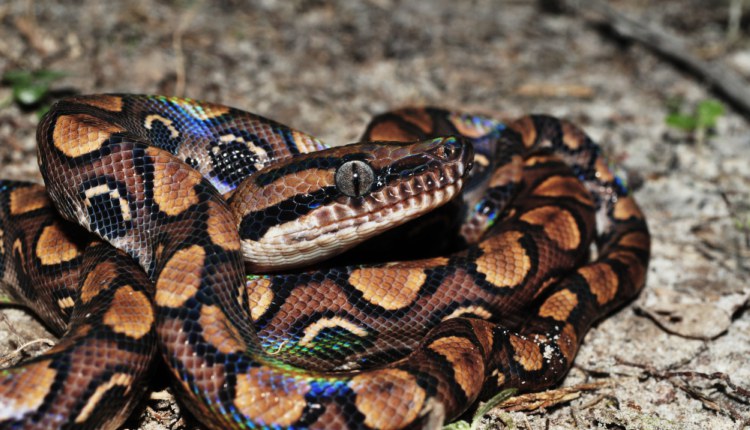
[{"x": 386, "y": 346}]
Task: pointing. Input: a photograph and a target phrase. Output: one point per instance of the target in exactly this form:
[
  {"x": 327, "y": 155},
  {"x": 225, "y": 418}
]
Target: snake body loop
[{"x": 186, "y": 187}]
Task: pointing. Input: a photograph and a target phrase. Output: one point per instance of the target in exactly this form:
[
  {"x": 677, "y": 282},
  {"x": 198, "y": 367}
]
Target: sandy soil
[{"x": 669, "y": 360}]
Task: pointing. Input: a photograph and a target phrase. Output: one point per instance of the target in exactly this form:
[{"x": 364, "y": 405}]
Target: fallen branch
[
  {"x": 549, "y": 398},
  {"x": 725, "y": 81}
]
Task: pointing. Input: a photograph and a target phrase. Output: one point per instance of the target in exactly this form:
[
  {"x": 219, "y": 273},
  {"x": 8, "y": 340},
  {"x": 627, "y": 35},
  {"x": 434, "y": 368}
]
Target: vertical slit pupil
[
  {"x": 354, "y": 178},
  {"x": 356, "y": 184}
]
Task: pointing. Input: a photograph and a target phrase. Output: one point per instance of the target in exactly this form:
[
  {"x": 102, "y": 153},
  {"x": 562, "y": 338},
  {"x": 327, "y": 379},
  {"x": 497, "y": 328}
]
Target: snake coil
[{"x": 175, "y": 191}]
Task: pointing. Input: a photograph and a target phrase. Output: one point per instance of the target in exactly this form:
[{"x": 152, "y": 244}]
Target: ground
[{"x": 675, "y": 358}]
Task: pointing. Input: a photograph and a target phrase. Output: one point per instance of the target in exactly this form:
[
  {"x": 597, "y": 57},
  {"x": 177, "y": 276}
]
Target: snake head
[{"x": 317, "y": 205}]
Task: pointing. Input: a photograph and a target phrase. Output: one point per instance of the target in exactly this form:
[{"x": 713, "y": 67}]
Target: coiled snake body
[{"x": 378, "y": 346}]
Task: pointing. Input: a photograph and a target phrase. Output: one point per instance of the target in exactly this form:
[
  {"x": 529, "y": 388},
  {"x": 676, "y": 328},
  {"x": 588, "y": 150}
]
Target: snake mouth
[{"x": 346, "y": 222}]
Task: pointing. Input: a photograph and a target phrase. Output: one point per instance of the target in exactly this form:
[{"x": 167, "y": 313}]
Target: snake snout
[{"x": 467, "y": 159}]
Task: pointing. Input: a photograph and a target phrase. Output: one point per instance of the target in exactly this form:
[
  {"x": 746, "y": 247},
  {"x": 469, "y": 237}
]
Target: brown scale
[
  {"x": 532, "y": 264},
  {"x": 100, "y": 295}
]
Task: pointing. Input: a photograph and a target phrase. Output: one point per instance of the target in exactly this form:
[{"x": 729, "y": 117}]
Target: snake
[{"x": 205, "y": 238}]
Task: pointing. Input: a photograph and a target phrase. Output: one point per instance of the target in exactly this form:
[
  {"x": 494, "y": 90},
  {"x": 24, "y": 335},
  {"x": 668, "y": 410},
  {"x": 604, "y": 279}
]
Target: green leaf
[
  {"x": 682, "y": 121},
  {"x": 17, "y": 77},
  {"x": 48, "y": 75},
  {"x": 30, "y": 94},
  {"x": 491, "y": 403},
  {"x": 482, "y": 411},
  {"x": 704, "y": 116},
  {"x": 31, "y": 87},
  {"x": 708, "y": 112},
  {"x": 458, "y": 425}
]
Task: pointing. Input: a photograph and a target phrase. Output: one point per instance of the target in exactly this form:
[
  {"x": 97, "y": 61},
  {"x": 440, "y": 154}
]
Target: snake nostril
[{"x": 450, "y": 149}]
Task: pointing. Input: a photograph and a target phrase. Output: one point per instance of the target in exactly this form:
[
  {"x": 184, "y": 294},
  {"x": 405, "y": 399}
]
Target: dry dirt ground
[{"x": 676, "y": 358}]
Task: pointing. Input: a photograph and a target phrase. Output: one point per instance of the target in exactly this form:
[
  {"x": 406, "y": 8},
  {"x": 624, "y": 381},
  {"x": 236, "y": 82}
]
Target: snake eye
[{"x": 354, "y": 178}]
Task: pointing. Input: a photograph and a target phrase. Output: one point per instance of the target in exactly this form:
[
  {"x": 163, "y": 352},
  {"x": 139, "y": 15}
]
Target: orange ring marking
[
  {"x": 602, "y": 281},
  {"x": 374, "y": 390},
  {"x": 559, "y": 305},
  {"x": 391, "y": 290},
  {"x": 558, "y": 224},
  {"x": 468, "y": 366},
  {"x": 130, "y": 313},
  {"x": 504, "y": 262},
  {"x": 527, "y": 353},
  {"x": 181, "y": 277},
  {"x": 27, "y": 199},
  {"x": 54, "y": 247},
  {"x": 265, "y": 396},
  {"x": 79, "y": 134}
]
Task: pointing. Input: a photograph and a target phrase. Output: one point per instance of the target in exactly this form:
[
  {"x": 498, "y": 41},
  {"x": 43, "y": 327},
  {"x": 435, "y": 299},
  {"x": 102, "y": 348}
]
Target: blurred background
[{"x": 326, "y": 67}]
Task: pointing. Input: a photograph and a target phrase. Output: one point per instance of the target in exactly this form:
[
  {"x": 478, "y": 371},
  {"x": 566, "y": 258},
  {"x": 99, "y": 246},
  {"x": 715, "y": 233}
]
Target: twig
[
  {"x": 725, "y": 81},
  {"x": 546, "y": 399},
  {"x": 9, "y": 357},
  {"x": 721, "y": 376},
  {"x": 738, "y": 394}
]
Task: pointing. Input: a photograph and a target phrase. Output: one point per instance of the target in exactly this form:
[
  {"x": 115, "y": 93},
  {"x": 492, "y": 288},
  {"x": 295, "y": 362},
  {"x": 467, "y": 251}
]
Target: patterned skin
[
  {"x": 383, "y": 346},
  {"x": 109, "y": 343}
]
